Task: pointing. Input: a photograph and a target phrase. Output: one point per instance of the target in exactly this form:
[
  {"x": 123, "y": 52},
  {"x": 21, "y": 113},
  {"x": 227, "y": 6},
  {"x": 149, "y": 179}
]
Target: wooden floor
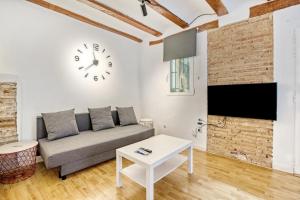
[{"x": 214, "y": 178}]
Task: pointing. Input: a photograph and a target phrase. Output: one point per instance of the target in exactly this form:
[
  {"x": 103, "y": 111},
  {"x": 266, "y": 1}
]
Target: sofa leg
[{"x": 62, "y": 177}]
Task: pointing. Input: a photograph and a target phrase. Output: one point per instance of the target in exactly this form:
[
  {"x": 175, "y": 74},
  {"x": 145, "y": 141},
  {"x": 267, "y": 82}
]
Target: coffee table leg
[
  {"x": 149, "y": 183},
  {"x": 118, "y": 170},
  {"x": 190, "y": 160}
]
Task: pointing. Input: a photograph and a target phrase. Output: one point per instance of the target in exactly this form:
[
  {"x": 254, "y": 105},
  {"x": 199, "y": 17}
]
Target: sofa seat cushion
[{"x": 89, "y": 143}]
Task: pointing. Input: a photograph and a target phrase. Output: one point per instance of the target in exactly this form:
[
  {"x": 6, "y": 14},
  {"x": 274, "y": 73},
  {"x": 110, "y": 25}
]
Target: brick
[{"x": 8, "y": 112}]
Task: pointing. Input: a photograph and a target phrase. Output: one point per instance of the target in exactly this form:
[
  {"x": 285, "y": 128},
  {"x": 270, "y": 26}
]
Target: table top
[
  {"x": 162, "y": 146},
  {"x": 17, "y": 146}
]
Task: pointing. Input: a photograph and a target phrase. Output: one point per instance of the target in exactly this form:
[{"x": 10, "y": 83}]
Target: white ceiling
[{"x": 185, "y": 9}]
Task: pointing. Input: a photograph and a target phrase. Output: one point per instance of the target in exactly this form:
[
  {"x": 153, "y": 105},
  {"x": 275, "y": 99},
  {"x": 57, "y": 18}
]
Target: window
[{"x": 181, "y": 76}]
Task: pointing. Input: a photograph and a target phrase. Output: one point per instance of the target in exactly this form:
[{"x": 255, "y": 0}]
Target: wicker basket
[{"x": 17, "y": 166}]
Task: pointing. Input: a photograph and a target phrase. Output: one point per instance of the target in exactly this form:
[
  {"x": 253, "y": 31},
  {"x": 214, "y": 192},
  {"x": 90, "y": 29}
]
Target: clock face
[{"x": 93, "y": 61}]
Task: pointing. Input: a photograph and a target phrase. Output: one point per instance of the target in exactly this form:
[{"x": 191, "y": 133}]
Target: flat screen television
[{"x": 257, "y": 101}]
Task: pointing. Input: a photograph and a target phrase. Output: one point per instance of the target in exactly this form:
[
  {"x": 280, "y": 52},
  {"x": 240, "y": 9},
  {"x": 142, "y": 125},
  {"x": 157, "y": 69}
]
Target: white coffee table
[{"x": 149, "y": 169}]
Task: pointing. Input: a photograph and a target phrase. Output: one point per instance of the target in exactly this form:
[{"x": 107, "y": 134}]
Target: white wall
[
  {"x": 285, "y": 23},
  {"x": 37, "y": 46},
  {"x": 174, "y": 115},
  {"x": 179, "y": 114}
]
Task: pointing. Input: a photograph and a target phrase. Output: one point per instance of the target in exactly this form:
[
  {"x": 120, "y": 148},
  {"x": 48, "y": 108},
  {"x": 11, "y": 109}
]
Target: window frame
[{"x": 191, "y": 90}]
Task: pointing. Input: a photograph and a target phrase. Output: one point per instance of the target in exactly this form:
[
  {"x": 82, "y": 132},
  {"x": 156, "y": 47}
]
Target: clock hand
[
  {"x": 94, "y": 55},
  {"x": 88, "y": 66}
]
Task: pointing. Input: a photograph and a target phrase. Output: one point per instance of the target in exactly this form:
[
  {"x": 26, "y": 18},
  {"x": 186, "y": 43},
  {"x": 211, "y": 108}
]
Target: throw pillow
[
  {"x": 60, "y": 124},
  {"x": 126, "y": 116},
  {"x": 101, "y": 118}
]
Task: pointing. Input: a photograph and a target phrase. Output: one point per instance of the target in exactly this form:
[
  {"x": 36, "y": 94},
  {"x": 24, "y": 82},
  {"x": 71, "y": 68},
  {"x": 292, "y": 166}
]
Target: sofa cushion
[
  {"x": 101, "y": 118},
  {"x": 89, "y": 143},
  {"x": 126, "y": 116},
  {"x": 60, "y": 124}
]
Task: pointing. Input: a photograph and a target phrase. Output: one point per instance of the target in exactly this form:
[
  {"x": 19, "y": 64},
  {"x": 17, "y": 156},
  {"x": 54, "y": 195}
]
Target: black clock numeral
[
  {"x": 85, "y": 46},
  {"x": 109, "y": 64},
  {"x": 86, "y": 75},
  {"x": 103, "y": 77},
  {"x": 77, "y": 58},
  {"x": 107, "y": 72},
  {"x": 103, "y": 50},
  {"x": 80, "y": 68},
  {"x": 107, "y": 56},
  {"x": 96, "y": 47}
]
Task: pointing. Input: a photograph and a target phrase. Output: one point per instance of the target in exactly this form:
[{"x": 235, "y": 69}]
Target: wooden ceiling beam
[
  {"x": 155, "y": 42},
  {"x": 208, "y": 26},
  {"x": 167, "y": 13},
  {"x": 84, "y": 19},
  {"x": 218, "y": 7},
  {"x": 120, "y": 16},
  {"x": 200, "y": 28},
  {"x": 271, "y": 7}
]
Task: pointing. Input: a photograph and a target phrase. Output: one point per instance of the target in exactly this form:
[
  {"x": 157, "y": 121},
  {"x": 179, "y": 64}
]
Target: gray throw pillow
[
  {"x": 60, "y": 124},
  {"x": 101, "y": 118},
  {"x": 126, "y": 116}
]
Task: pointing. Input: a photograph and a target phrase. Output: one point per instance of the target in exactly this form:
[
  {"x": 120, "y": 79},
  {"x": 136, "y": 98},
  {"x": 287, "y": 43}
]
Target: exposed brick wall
[
  {"x": 238, "y": 54},
  {"x": 245, "y": 139},
  {"x": 241, "y": 52},
  {"x": 8, "y": 112}
]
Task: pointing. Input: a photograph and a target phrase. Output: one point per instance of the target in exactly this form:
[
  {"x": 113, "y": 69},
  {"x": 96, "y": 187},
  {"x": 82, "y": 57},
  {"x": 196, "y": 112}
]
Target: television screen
[{"x": 257, "y": 101}]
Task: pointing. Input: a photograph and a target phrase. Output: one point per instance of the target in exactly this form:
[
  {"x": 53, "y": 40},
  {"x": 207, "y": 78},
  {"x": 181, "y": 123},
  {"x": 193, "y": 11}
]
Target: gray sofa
[{"x": 77, "y": 152}]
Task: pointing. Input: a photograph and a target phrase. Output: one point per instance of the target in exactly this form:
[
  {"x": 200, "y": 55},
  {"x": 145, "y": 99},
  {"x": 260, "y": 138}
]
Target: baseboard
[
  {"x": 39, "y": 159},
  {"x": 297, "y": 170},
  {"x": 283, "y": 167},
  {"x": 200, "y": 148}
]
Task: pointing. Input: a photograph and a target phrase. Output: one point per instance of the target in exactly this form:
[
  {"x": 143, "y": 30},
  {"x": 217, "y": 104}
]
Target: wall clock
[{"x": 93, "y": 61}]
